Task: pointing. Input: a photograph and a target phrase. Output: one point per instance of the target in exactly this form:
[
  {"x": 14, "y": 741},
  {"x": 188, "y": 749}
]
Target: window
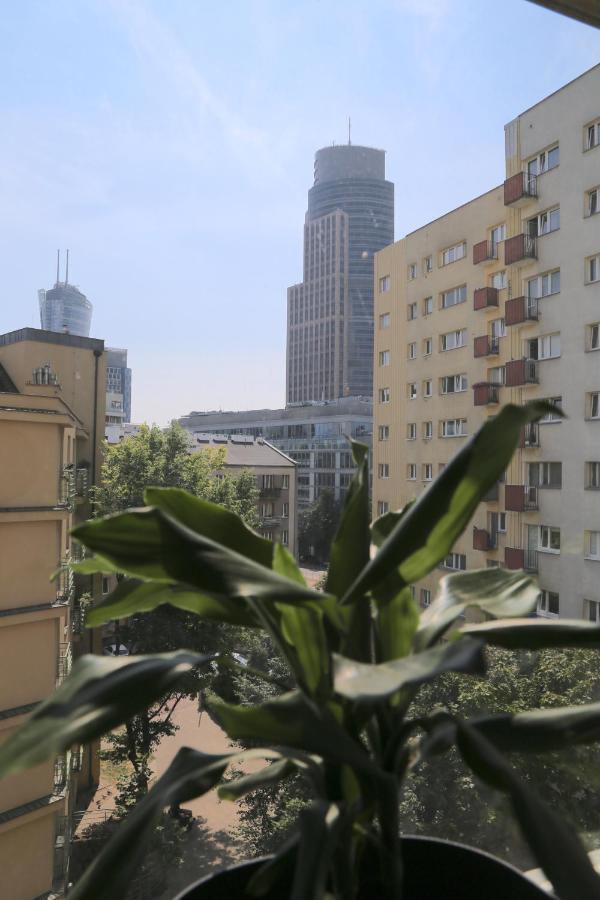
[
  {"x": 454, "y": 427},
  {"x": 427, "y": 472},
  {"x": 268, "y": 535},
  {"x": 496, "y": 375},
  {"x": 412, "y": 390},
  {"x": 284, "y": 537},
  {"x": 412, "y": 271},
  {"x": 592, "y": 269},
  {"x": 591, "y": 610},
  {"x": 105, "y": 584},
  {"x": 545, "y": 347},
  {"x": 411, "y": 311},
  {"x": 547, "y": 604},
  {"x": 411, "y": 431},
  {"x": 452, "y": 254},
  {"x": 427, "y": 346},
  {"x": 285, "y": 510},
  {"x": 427, "y": 306},
  {"x": 384, "y": 357},
  {"x": 384, "y": 395},
  {"x": 268, "y": 481},
  {"x": 382, "y": 507},
  {"x": 412, "y": 350},
  {"x": 425, "y": 597},
  {"x": 384, "y": 432},
  {"x": 453, "y": 339},
  {"x": 593, "y": 336},
  {"x": 498, "y": 234},
  {"x": 384, "y": 321},
  {"x": 498, "y": 280},
  {"x": 285, "y": 482},
  {"x": 501, "y": 522},
  {"x": 411, "y": 472},
  {"x": 427, "y": 431},
  {"x": 592, "y": 544},
  {"x": 591, "y": 135},
  {"x": 454, "y": 296},
  {"x": 544, "y": 161},
  {"x": 591, "y": 202},
  {"x": 441, "y": 467},
  {"x": 428, "y": 264},
  {"x": 453, "y": 384},
  {"x": 498, "y": 328},
  {"x": 544, "y": 285},
  {"x": 384, "y": 284},
  {"x": 383, "y": 470},
  {"x": 428, "y": 388},
  {"x": 552, "y": 417},
  {"x": 455, "y": 561},
  {"x": 545, "y": 474},
  {"x": 592, "y": 475},
  {"x": 544, "y": 222},
  {"x": 267, "y": 510},
  {"x": 549, "y": 539},
  {"x": 593, "y": 405}
]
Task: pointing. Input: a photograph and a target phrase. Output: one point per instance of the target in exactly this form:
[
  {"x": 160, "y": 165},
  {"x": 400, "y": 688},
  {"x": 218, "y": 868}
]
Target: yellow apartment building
[
  {"x": 52, "y": 389},
  {"x": 498, "y": 302}
]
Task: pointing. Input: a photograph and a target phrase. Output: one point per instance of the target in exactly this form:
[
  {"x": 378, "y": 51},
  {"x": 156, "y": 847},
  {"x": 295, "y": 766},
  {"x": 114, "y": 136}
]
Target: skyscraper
[
  {"x": 118, "y": 387},
  {"x": 330, "y": 313},
  {"x": 64, "y": 308}
]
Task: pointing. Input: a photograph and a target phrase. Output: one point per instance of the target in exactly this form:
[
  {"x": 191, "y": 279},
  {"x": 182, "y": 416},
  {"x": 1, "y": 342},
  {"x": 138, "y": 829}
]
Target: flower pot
[{"x": 434, "y": 870}]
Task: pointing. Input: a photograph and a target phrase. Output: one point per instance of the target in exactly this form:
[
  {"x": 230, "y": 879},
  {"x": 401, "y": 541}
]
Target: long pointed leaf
[
  {"x": 541, "y": 730},
  {"x": 535, "y": 634}
]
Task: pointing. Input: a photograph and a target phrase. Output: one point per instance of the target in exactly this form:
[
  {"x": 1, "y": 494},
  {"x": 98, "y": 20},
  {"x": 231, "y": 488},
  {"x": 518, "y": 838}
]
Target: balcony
[
  {"x": 81, "y": 481},
  {"x": 66, "y": 584},
  {"x": 530, "y": 436},
  {"x": 518, "y": 248},
  {"x": 61, "y": 773},
  {"x": 519, "y": 189},
  {"x": 485, "y": 297},
  {"x": 485, "y": 252},
  {"x": 520, "y": 497},
  {"x": 270, "y": 493},
  {"x": 520, "y": 309},
  {"x": 493, "y": 494},
  {"x": 485, "y": 392},
  {"x": 63, "y": 662},
  {"x": 485, "y": 346},
  {"x": 484, "y": 540},
  {"x": 521, "y": 371},
  {"x": 515, "y": 558}
]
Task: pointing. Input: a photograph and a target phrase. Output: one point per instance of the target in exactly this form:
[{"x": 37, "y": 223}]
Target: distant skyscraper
[
  {"x": 64, "y": 308},
  {"x": 330, "y": 314},
  {"x": 118, "y": 387}
]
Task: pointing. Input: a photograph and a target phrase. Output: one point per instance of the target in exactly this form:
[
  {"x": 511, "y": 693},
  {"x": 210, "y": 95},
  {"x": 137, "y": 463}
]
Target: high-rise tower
[
  {"x": 330, "y": 314},
  {"x": 64, "y": 308}
]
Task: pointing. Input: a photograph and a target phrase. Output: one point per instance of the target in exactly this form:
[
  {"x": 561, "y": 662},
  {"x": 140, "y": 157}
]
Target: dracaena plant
[{"x": 359, "y": 652}]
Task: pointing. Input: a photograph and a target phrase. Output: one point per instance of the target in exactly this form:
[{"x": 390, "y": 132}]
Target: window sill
[
  {"x": 592, "y": 419},
  {"x": 592, "y": 558},
  {"x": 548, "y": 552},
  {"x": 547, "y": 615}
]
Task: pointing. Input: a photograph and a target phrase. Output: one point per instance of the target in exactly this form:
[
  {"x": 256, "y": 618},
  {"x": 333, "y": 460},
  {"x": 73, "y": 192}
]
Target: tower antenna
[
  {"x": 57, "y": 265},
  {"x": 349, "y": 131},
  {"x": 67, "y": 271}
]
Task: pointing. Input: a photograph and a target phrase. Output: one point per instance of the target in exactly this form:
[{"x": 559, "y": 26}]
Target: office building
[
  {"x": 498, "y": 302},
  {"x": 52, "y": 389},
  {"x": 64, "y": 308},
  {"x": 330, "y": 313},
  {"x": 118, "y": 387},
  {"x": 314, "y": 435}
]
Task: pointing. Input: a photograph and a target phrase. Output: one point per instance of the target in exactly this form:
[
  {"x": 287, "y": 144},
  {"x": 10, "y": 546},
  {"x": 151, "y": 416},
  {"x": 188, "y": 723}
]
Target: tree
[{"x": 317, "y": 526}]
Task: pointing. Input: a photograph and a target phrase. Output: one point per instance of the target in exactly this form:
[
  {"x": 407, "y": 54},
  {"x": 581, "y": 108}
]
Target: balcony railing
[
  {"x": 485, "y": 252},
  {"x": 520, "y": 497},
  {"x": 484, "y": 539},
  {"x": 519, "y": 188},
  {"x": 521, "y": 371},
  {"x": 485, "y": 345},
  {"x": 63, "y": 662},
  {"x": 270, "y": 492},
  {"x": 66, "y": 583},
  {"x": 530, "y": 561},
  {"x": 530, "y": 436},
  {"x": 519, "y": 247},
  {"x": 67, "y": 485},
  {"x": 520, "y": 309},
  {"x": 61, "y": 773},
  {"x": 516, "y": 558},
  {"x": 81, "y": 481},
  {"x": 485, "y": 297},
  {"x": 485, "y": 392}
]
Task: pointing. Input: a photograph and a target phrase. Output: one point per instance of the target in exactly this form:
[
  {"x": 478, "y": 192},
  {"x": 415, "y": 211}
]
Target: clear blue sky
[{"x": 169, "y": 144}]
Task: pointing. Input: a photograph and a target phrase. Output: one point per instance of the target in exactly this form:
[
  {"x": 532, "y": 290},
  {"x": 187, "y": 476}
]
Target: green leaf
[
  {"x": 397, "y": 621},
  {"x": 363, "y": 682},
  {"x": 100, "y": 693},
  {"x": 535, "y": 634},
  {"x": 430, "y": 528},
  {"x": 350, "y": 548},
  {"x": 319, "y": 825},
  {"x": 133, "y": 596},
  {"x": 541, "y": 730},
  {"x": 496, "y": 592},
  {"x": 285, "y": 564},
  {"x": 555, "y": 845},
  {"x": 269, "y": 774}
]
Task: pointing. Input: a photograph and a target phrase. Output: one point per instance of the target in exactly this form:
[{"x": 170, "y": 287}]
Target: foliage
[
  {"x": 317, "y": 526},
  {"x": 359, "y": 653}
]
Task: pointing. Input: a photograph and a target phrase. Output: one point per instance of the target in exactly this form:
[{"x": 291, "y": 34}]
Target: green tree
[{"x": 317, "y": 526}]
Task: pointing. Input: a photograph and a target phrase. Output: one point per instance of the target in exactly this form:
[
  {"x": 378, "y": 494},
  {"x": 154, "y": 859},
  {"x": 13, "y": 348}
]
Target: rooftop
[
  {"x": 50, "y": 337},
  {"x": 242, "y": 449}
]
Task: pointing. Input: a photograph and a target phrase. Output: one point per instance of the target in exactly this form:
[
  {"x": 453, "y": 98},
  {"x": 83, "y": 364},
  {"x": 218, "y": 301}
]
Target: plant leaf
[
  {"x": 397, "y": 620},
  {"x": 364, "y": 682},
  {"x": 269, "y": 774},
  {"x": 495, "y": 592},
  {"x": 534, "y": 634},
  {"x": 555, "y": 845},
  {"x": 100, "y": 693},
  {"x": 285, "y": 564},
  {"x": 318, "y": 825},
  {"x": 350, "y": 548},
  {"x": 541, "y": 730},
  {"x": 430, "y": 528}
]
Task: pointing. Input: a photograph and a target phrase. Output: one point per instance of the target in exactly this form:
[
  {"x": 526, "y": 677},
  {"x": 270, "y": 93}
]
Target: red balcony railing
[
  {"x": 484, "y": 393},
  {"x": 520, "y": 309},
  {"x": 485, "y": 252},
  {"x": 521, "y": 371},
  {"x": 484, "y": 297},
  {"x": 519, "y": 247},
  {"x": 520, "y": 497},
  {"x": 519, "y": 188},
  {"x": 514, "y": 558},
  {"x": 483, "y": 539},
  {"x": 485, "y": 345}
]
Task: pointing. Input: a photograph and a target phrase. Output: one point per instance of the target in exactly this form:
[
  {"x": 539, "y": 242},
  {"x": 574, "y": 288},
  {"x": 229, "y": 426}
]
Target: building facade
[
  {"x": 118, "y": 387},
  {"x": 52, "y": 389},
  {"x": 330, "y": 313},
  {"x": 496, "y": 302},
  {"x": 314, "y": 435}
]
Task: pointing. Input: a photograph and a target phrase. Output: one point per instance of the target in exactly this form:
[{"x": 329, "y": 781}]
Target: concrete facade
[{"x": 496, "y": 302}]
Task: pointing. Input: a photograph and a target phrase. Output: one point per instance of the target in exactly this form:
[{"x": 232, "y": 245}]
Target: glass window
[
  {"x": 454, "y": 428},
  {"x": 412, "y": 390},
  {"x": 594, "y": 336},
  {"x": 427, "y": 431},
  {"x": 453, "y": 339},
  {"x": 552, "y": 417},
  {"x": 454, "y": 296},
  {"x": 594, "y": 405},
  {"x": 453, "y": 384},
  {"x": 427, "y": 346},
  {"x": 383, "y": 507},
  {"x": 498, "y": 234},
  {"x": 412, "y": 271},
  {"x": 425, "y": 597},
  {"x": 412, "y": 350},
  {"x": 411, "y": 431},
  {"x": 592, "y": 135},
  {"x": 455, "y": 561},
  {"x": 411, "y": 311},
  {"x": 544, "y": 161},
  {"x": 545, "y": 474},
  {"x": 384, "y": 284},
  {"x": 452, "y": 254},
  {"x": 592, "y": 202},
  {"x": 546, "y": 346},
  {"x": 592, "y": 476},
  {"x": 384, "y": 320},
  {"x": 427, "y": 306},
  {"x": 428, "y": 264},
  {"x": 384, "y": 470},
  {"x": 384, "y": 357},
  {"x": 548, "y": 604},
  {"x": 411, "y": 472},
  {"x": 427, "y": 472},
  {"x": 384, "y": 432},
  {"x": 592, "y": 268},
  {"x": 549, "y": 539},
  {"x": 498, "y": 280},
  {"x": 384, "y": 395},
  {"x": 427, "y": 388},
  {"x": 593, "y": 544},
  {"x": 544, "y": 222},
  {"x": 544, "y": 285}
]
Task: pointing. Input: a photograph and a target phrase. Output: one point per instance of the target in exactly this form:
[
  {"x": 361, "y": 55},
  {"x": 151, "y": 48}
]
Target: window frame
[
  {"x": 411, "y": 471},
  {"x": 385, "y": 358},
  {"x": 385, "y": 283},
  {"x": 543, "y": 604},
  {"x": 451, "y": 252},
  {"x": 384, "y": 395},
  {"x": 549, "y": 530},
  {"x": 412, "y": 312},
  {"x": 457, "y": 331},
  {"x": 453, "y": 291},
  {"x": 595, "y": 557},
  {"x": 411, "y": 431},
  {"x": 457, "y": 433},
  {"x": 541, "y": 160},
  {"x": 544, "y": 216},
  {"x": 384, "y": 321}
]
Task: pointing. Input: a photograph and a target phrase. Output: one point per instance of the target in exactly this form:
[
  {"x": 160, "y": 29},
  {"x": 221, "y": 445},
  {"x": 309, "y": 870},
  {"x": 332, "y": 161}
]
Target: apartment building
[
  {"x": 51, "y": 419},
  {"x": 498, "y": 301}
]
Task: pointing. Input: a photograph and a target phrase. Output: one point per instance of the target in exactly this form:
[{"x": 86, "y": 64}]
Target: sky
[{"x": 169, "y": 144}]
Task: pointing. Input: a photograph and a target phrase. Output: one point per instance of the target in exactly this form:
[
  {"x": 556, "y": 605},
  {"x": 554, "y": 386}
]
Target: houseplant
[{"x": 358, "y": 653}]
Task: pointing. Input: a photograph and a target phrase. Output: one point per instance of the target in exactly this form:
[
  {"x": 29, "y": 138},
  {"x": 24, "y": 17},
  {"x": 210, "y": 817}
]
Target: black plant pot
[{"x": 434, "y": 870}]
